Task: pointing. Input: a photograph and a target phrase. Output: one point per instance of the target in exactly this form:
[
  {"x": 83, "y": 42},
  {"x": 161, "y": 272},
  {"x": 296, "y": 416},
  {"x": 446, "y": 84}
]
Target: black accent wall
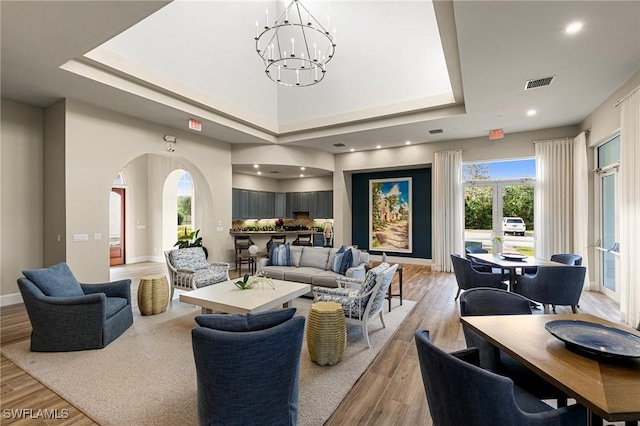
[{"x": 421, "y": 197}]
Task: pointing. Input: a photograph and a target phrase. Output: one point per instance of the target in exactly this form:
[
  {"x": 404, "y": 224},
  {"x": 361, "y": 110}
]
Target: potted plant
[{"x": 191, "y": 239}]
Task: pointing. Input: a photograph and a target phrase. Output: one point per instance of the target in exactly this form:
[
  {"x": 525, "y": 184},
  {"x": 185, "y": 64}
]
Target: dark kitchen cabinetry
[{"x": 248, "y": 204}]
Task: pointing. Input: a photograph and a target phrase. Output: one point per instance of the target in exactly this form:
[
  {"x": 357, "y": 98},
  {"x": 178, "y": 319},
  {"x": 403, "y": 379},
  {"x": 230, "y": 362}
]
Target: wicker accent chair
[
  {"x": 361, "y": 299},
  {"x": 189, "y": 270}
]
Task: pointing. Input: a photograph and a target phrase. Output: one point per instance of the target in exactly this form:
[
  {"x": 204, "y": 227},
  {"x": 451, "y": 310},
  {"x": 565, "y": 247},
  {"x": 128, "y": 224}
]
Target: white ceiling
[{"x": 378, "y": 88}]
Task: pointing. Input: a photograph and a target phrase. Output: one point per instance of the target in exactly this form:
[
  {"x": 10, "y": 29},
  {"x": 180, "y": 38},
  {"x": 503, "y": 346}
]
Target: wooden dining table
[
  {"x": 512, "y": 265},
  {"x": 609, "y": 389}
]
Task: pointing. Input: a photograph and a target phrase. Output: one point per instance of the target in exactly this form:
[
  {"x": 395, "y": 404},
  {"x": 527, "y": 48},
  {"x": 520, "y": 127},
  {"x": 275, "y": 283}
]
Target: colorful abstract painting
[{"x": 390, "y": 215}]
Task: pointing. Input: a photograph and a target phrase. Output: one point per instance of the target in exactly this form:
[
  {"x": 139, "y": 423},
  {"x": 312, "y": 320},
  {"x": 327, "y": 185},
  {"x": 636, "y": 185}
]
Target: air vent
[
  {"x": 436, "y": 131},
  {"x": 539, "y": 82},
  {"x": 274, "y": 171},
  {"x": 339, "y": 145}
]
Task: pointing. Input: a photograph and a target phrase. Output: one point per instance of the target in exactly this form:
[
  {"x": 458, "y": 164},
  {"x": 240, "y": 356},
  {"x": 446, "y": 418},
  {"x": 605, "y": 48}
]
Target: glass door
[
  {"x": 478, "y": 215},
  {"x": 516, "y": 220},
  {"x": 609, "y": 239}
]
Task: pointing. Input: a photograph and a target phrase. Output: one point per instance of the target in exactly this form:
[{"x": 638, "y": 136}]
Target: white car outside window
[{"x": 514, "y": 225}]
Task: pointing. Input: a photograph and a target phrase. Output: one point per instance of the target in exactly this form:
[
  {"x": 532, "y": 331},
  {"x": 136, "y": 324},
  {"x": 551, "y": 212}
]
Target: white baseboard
[
  {"x": 10, "y": 299},
  {"x": 398, "y": 259}
]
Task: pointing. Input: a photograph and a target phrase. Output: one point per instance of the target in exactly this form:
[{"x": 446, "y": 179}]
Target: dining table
[
  {"x": 511, "y": 263},
  {"x": 608, "y": 386}
]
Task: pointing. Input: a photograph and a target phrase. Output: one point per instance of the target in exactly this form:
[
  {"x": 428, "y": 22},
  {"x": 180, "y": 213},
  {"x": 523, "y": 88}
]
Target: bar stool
[
  {"x": 242, "y": 244},
  {"x": 276, "y": 239},
  {"x": 303, "y": 240}
]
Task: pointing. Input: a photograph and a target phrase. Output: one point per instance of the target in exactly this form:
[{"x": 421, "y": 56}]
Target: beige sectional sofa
[{"x": 312, "y": 265}]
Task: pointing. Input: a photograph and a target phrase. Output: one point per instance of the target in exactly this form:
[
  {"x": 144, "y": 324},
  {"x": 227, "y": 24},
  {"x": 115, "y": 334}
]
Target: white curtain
[
  {"x": 553, "y": 201},
  {"x": 630, "y": 208},
  {"x": 581, "y": 202},
  {"x": 448, "y": 223}
]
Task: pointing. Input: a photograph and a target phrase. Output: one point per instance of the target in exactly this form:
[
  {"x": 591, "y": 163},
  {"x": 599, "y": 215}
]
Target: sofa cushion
[
  {"x": 246, "y": 322},
  {"x": 56, "y": 281},
  {"x": 114, "y": 305},
  {"x": 188, "y": 259},
  {"x": 205, "y": 277},
  {"x": 342, "y": 261},
  {"x": 315, "y": 257},
  {"x": 275, "y": 272},
  {"x": 325, "y": 279},
  {"x": 295, "y": 252},
  {"x": 302, "y": 274},
  {"x": 280, "y": 255}
]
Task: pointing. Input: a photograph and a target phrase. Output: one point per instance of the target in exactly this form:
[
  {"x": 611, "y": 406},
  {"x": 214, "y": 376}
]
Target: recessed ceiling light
[
  {"x": 259, "y": 173},
  {"x": 531, "y": 112},
  {"x": 574, "y": 27},
  {"x": 407, "y": 143},
  {"x": 255, "y": 166},
  {"x": 302, "y": 168},
  {"x": 378, "y": 146},
  {"x": 301, "y": 175},
  {"x": 352, "y": 149}
]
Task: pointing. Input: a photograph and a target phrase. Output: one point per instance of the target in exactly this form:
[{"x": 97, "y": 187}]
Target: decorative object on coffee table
[
  {"x": 326, "y": 333},
  {"x": 153, "y": 294},
  {"x": 245, "y": 283}
]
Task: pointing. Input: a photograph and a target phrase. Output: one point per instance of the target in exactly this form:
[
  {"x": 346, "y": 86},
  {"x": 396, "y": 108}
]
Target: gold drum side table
[
  {"x": 153, "y": 294},
  {"x": 326, "y": 333}
]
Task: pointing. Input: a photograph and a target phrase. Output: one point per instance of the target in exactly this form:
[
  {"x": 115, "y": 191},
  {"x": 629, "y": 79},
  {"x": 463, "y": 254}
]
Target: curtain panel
[
  {"x": 448, "y": 209},
  {"x": 629, "y": 190},
  {"x": 553, "y": 200},
  {"x": 581, "y": 203}
]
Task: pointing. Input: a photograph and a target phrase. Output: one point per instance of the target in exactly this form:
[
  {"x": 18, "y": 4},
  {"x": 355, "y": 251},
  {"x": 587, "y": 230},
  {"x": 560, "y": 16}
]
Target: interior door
[{"x": 116, "y": 227}]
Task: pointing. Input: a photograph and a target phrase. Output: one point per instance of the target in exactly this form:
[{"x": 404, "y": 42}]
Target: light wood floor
[{"x": 390, "y": 392}]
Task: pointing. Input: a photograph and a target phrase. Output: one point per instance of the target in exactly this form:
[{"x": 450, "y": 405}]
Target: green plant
[
  {"x": 244, "y": 284},
  {"x": 189, "y": 239}
]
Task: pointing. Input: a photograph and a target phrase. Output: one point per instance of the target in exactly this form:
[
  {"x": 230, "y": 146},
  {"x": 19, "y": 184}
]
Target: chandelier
[{"x": 296, "y": 48}]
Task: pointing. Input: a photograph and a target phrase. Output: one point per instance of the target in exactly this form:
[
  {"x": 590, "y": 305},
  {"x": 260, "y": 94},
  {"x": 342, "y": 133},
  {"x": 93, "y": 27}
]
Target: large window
[
  {"x": 499, "y": 205},
  {"x": 185, "y": 204},
  {"x": 607, "y": 162}
]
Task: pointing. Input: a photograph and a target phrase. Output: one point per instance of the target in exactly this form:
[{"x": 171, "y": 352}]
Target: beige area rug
[{"x": 147, "y": 376}]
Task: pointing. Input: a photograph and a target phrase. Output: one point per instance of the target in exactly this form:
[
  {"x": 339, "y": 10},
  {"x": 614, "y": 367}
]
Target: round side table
[
  {"x": 153, "y": 294},
  {"x": 326, "y": 333}
]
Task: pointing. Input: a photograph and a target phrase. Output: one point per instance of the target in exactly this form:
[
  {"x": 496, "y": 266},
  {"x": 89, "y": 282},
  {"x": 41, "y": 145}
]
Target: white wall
[
  {"x": 21, "y": 185},
  {"x": 136, "y": 214},
  {"x": 512, "y": 146},
  {"x": 99, "y": 143},
  {"x": 323, "y": 183},
  {"x": 282, "y": 155},
  {"x": 255, "y": 183}
]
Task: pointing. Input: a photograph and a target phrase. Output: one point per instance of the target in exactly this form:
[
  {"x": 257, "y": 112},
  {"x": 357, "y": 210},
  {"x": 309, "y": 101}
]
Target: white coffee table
[{"x": 226, "y": 297}]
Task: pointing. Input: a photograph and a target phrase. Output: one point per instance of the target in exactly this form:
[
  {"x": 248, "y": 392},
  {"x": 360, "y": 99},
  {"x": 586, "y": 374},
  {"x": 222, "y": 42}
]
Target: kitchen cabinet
[{"x": 280, "y": 205}]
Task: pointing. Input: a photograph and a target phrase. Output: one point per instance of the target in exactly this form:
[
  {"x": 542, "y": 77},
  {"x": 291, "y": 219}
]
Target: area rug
[{"x": 147, "y": 376}]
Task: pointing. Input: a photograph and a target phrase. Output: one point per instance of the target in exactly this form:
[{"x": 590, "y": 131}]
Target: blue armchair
[
  {"x": 553, "y": 285},
  {"x": 461, "y": 393},
  {"x": 69, "y": 316},
  {"x": 468, "y": 277},
  {"x": 247, "y": 367}
]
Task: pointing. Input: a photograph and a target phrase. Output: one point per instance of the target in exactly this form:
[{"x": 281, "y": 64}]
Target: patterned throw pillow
[
  {"x": 280, "y": 255},
  {"x": 342, "y": 261}
]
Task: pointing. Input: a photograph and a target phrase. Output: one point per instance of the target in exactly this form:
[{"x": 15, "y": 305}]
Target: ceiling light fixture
[
  {"x": 407, "y": 143},
  {"x": 259, "y": 173},
  {"x": 296, "y": 48},
  {"x": 302, "y": 168},
  {"x": 531, "y": 112},
  {"x": 574, "y": 27},
  {"x": 378, "y": 146},
  {"x": 301, "y": 175},
  {"x": 255, "y": 166},
  {"x": 352, "y": 149}
]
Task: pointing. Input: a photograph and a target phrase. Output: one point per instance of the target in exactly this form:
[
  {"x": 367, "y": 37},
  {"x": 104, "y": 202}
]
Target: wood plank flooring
[{"x": 389, "y": 392}]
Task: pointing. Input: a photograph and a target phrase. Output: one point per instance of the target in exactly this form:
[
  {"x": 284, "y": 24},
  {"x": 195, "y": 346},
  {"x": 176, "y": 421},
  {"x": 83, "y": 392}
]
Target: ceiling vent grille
[
  {"x": 538, "y": 82},
  {"x": 274, "y": 171},
  {"x": 436, "y": 131},
  {"x": 339, "y": 145}
]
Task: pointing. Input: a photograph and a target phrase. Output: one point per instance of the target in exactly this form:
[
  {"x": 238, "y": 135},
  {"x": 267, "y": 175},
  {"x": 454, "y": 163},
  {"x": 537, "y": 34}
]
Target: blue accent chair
[
  {"x": 553, "y": 285},
  {"x": 492, "y": 301},
  {"x": 67, "y": 316},
  {"x": 248, "y": 367},
  {"x": 468, "y": 277},
  {"x": 461, "y": 393}
]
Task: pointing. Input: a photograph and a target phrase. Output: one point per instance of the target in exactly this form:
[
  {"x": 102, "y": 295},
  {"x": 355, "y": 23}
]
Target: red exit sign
[
  {"x": 496, "y": 134},
  {"x": 195, "y": 125}
]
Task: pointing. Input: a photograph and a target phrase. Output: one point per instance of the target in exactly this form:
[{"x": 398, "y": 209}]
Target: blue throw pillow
[
  {"x": 245, "y": 322},
  {"x": 342, "y": 261},
  {"x": 56, "y": 281},
  {"x": 280, "y": 255}
]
